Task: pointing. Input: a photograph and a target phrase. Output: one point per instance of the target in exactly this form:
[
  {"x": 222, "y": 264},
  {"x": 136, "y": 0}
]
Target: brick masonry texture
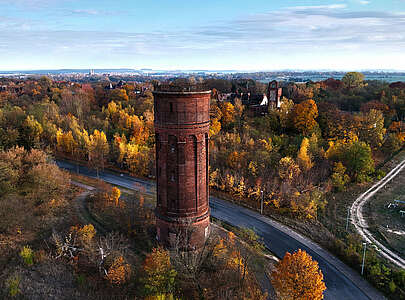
[{"x": 182, "y": 129}]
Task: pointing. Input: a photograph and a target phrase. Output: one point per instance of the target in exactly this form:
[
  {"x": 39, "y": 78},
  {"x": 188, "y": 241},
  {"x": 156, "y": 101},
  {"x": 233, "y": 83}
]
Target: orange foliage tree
[
  {"x": 297, "y": 277},
  {"x": 119, "y": 272},
  {"x": 159, "y": 276},
  {"x": 304, "y": 115}
]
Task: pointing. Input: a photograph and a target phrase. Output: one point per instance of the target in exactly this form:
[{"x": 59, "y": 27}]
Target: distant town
[{"x": 141, "y": 75}]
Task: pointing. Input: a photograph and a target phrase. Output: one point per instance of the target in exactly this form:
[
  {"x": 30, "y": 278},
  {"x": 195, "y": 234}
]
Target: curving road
[
  {"x": 341, "y": 281},
  {"x": 360, "y": 223}
]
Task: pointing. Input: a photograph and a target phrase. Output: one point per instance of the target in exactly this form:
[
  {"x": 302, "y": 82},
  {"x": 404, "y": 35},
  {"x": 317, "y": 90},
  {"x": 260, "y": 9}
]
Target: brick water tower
[{"x": 182, "y": 126}]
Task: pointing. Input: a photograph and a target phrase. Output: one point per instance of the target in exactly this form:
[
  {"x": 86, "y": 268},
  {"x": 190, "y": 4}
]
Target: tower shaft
[{"x": 182, "y": 129}]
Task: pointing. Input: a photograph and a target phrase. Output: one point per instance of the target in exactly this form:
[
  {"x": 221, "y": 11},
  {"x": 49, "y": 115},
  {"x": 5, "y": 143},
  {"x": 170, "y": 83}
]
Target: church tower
[{"x": 182, "y": 127}]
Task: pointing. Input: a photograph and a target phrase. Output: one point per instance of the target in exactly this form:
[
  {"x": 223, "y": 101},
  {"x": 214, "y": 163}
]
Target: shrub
[
  {"x": 379, "y": 174},
  {"x": 339, "y": 177},
  {"x": 392, "y": 143},
  {"x": 13, "y": 284},
  {"x": 86, "y": 234},
  {"x": 27, "y": 255}
]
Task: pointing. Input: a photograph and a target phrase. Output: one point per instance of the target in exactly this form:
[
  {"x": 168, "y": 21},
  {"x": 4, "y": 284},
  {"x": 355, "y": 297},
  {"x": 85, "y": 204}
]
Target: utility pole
[
  {"x": 261, "y": 202},
  {"x": 364, "y": 257},
  {"x": 347, "y": 218}
]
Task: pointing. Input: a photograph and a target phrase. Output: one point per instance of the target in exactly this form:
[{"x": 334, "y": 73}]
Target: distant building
[
  {"x": 112, "y": 86},
  {"x": 274, "y": 93},
  {"x": 260, "y": 105}
]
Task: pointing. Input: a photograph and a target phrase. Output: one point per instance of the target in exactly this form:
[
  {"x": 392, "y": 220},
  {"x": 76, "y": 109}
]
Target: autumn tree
[
  {"x": 97, "y": 149},
  {"x": 31, "y": 132},
  {"x": 339, "y": 177},
  {"x": 359, "y": 161},
  {"x": 118, "y": 272},
  {"x": 288, "y": 169},
  {"x": 303, "y": 157},
  {"x": 215, "y": 127},
  {"x": 297, "y": 277},
  {"x": 65, "y": 142},
  {"x": 115, "y": 195},
  {"x": 228, "y": 113},
  {"x": 353, "y": 80},
  {"x": 355, "y": 155},
  {"x": 8, "y": 176},
  {"x": 158, "y": 275},
  {"x": 119, "y": 148},
  {"x": 372, "y": 129},
  {"x": 75, "y": 101},
  {"x": 138, "y": 159},
  {"x": 285, "y": 112},
  {"x": 118, "y": 95},
  {"x": 304, "y": 115},
  {"x": 31, "y": 188}
]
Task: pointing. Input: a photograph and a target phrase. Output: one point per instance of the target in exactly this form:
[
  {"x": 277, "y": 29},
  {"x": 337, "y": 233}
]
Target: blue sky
[{"x": 221, "y": 34}]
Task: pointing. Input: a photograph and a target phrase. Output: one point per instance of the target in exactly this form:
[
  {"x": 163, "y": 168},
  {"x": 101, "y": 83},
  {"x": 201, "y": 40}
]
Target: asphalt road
[{"x": 341, "y": 281}]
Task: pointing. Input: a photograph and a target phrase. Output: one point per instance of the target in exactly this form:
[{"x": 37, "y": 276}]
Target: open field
[
  {"x": 335, "y": 214},
  {"x": 387, "y": 223}
]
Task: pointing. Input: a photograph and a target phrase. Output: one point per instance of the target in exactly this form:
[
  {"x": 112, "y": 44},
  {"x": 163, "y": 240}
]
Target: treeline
[
  {"x": 314, "y": 143},
  {"x": 325, "y": 135},
  {"x": 84, "y": 122}
]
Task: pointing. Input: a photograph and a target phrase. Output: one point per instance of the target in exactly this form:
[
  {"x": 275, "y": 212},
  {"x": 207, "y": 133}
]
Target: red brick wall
[{"x": 182, "y": 128}]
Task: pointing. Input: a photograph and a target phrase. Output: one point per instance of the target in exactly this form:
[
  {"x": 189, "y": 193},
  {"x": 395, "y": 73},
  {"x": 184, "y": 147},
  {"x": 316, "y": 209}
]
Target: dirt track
[{"x": 360, "y": 223}]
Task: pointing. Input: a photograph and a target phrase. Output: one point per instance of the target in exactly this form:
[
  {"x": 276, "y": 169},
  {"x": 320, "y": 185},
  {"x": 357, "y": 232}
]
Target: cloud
[
  {"x": 318, "y": 7},
  {"x": 290, "y": 33},
  {"x": 85, "y": 12},
  {"x": 364, "y": 2}
]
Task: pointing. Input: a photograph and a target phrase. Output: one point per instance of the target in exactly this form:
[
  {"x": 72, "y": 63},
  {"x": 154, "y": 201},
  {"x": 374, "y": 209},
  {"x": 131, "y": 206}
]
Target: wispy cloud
[
  {"x": 318, "y": 7},
  {"x": 85, "y": 12},
  {"x": 292, "y": 31}
]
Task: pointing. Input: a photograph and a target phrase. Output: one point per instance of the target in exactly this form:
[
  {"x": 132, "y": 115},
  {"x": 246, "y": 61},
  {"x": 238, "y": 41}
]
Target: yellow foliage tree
[
  {"x": 85, "y": 234},
  {"x": 304, "y": 115},
  {"x": 115, "y": 195},
  {"x": 215, "y": 127},
  {"x": 288, "y": 169},
  {"x": 139, "y": 132},
  {"x": 97, "y": 149},
  {"x": 65, "y": 141},
  {"x": 303, "y": 157},
  {"x": 138, "y": 158},
  {"x": 297, "y": 277},
  {"x": 228, "y": 112}
]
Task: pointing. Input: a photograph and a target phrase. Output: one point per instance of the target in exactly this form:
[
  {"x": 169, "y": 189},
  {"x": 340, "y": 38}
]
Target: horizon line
[{"x": 209, "y": 70}]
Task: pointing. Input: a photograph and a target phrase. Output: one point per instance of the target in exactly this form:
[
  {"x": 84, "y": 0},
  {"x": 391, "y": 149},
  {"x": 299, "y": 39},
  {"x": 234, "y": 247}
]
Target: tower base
[{"x": 189, "y": 234}]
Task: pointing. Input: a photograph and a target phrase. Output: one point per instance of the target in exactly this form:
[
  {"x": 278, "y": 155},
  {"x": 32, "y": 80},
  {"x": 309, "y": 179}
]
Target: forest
[{"x": 325, "y": 137}]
